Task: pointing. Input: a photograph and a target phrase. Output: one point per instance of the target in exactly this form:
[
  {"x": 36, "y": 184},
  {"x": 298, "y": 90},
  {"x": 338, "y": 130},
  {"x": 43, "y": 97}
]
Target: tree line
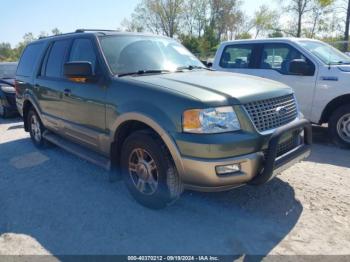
[
  {"x": 202, "y": 24},
  {"x": 8, "y": 53}
]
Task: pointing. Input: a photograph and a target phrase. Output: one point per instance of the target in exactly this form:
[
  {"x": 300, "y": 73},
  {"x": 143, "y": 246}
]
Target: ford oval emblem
[{"x": 281, "y": 110}]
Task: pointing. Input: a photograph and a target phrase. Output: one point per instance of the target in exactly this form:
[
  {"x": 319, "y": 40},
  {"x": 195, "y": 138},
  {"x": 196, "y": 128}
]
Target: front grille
[{"x": 265, "y": 115}]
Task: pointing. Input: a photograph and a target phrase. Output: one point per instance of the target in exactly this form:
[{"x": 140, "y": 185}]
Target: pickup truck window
[
  {"x": 83, "y": 50},
  {"x": 126, "y": 54},
  {"x": 326, "y": 53},
  {"x": 237, "y": 56},
  {"x": 278, "y": 57},
  {"x": 54, "y": 67}
]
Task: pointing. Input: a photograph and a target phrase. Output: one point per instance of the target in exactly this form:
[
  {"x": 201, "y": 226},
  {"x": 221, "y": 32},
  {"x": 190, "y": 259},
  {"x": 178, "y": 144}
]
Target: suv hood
[{"x": 213, "y": 86}]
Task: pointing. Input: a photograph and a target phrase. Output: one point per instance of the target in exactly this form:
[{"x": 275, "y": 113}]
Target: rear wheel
[
  {"x": 148, "y": 171},
  {"x": 36, "y": 129},
  {"x": 339, "y": 126}
]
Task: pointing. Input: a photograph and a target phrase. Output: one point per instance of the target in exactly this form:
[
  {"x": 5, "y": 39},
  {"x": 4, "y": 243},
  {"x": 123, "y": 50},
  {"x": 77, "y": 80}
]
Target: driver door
[
  {"x": 275, "y": 65},
  {"x": 84, "y": 102}
]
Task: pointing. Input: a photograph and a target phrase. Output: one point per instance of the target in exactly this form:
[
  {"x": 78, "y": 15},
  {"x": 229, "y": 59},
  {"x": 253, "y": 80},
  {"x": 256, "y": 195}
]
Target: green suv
[{"x": 147, "y": 109}]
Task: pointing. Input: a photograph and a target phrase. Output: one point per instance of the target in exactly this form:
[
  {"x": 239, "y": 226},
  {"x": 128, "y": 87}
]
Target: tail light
[{"x": 16, "y": 88}]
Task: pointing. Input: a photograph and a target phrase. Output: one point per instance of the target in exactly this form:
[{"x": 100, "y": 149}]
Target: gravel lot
[{"x": 54, "y": 203}]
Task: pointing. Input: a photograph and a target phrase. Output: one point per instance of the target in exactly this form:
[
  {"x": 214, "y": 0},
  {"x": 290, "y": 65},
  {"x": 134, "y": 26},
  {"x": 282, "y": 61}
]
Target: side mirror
[
  {"x": 78, "y": 70},
  {"x": 301, "y": 67},
  {"x": 209, "y": 64}
]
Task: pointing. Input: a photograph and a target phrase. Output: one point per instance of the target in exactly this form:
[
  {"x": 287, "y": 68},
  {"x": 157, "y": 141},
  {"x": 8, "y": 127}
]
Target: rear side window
[
  {"x": 237, "y": 56},
  {"x": 54, "y": 66},
  {"x": 83, "y": 51},
  {"x": 29, "y": 59}
]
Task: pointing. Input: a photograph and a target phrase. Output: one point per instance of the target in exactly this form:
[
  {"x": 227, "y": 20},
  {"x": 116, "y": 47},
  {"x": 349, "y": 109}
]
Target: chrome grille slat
[{"x": 264, "y": 115}]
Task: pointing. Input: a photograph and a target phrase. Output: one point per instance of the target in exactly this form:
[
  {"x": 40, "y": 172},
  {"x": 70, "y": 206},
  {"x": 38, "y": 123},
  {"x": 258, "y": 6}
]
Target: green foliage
[
  {"x": 244, "y": 35},
  {"x": 276, "y": 33},
  {"x": 192, "y": 43}
]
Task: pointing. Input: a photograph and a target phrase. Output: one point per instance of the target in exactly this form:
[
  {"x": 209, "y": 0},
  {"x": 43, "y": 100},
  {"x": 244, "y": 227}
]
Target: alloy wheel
[
  {"x": 35, "y": 128},
  {"x": 143, "y": 171},
  {"x": 343, "y": 127}
]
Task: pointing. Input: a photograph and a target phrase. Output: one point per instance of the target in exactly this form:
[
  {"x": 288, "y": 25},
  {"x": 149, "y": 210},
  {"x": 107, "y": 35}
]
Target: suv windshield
[
  {"x": 326, "y": 53},
  {"x": 8, "y": 70},
  {"x": 127, "y": 54}
]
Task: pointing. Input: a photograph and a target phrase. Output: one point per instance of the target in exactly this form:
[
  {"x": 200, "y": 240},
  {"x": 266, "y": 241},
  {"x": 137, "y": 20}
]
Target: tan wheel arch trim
[{"x": 169, "y": 142}]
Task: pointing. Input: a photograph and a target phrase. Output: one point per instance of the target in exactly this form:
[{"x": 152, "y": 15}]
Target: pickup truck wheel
[
  {"x": 339, "y": 126},
  {"x": 149, "y": 172},
  {"x": 36, "y": 129}
]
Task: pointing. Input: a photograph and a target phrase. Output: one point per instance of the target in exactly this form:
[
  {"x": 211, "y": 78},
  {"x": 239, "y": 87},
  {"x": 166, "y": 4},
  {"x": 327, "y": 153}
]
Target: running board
[{"x": 78, "y": 150}]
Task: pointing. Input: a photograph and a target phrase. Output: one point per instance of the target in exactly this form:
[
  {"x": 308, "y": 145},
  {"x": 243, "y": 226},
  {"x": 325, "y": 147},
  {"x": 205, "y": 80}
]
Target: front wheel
[
  {"x": 148, "y": 171},
  {"x": 339, "y": 126}
]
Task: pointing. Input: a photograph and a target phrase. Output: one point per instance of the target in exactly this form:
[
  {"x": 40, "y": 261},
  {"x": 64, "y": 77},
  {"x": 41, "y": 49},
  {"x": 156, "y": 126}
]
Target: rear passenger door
[
  {"x": 239, "y": 58},
  {"x": 49, "y": 83},
  {"x": 84, "y": 102}
]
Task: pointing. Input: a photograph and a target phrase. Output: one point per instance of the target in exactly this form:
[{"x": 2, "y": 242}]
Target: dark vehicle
[
  {"x": 7, "y": 89},
  {"x": 148, "y": 107}
]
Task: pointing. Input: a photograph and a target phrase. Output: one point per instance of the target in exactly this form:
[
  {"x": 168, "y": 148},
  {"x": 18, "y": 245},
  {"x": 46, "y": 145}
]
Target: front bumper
[{"x": 256, "y": 168}]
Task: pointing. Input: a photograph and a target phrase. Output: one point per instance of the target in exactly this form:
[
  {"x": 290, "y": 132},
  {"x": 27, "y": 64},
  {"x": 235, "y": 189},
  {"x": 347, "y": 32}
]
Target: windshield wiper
[
  {"x": 143, "y": 72},
  {"x": 191, "y": 67}
]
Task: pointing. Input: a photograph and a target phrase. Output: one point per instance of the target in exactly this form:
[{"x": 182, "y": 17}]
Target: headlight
[
  {"x": 211, "y": 120},
  {"x": 8, "y": 89}
]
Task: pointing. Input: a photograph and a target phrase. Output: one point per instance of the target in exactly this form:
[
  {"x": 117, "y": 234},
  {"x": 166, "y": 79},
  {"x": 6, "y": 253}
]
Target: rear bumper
[
  {"x": 8, "y": 100},
  {"x": 257, "y": 168}
]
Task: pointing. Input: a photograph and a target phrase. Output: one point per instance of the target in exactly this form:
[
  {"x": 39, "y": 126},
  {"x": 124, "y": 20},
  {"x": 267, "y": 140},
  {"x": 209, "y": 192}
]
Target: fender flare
[{"x": 167, "y": 139}]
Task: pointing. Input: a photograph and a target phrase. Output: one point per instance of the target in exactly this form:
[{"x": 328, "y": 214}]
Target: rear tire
[
  {"x": 148, "y": 171},
  {"x": 339, "y": 126},
  {"x": 36, "y": 129}
]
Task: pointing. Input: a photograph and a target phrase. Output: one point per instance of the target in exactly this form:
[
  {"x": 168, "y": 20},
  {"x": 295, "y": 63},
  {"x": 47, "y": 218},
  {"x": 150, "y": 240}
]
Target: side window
[
  {"x": 54, "y": 66},
  {"x": 83, "y": 50},
  {"x": 237, "y": 56},
  {"x": 29, "y": 59},
  {"x": 279, "y": 56}
]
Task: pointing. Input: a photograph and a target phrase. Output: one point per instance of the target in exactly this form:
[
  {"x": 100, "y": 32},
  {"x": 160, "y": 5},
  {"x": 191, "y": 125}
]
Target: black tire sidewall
[
  {"x": 162, "y": 196},
  {"x": 41, "y": 143},
  {"x": 333, "y": 122}
]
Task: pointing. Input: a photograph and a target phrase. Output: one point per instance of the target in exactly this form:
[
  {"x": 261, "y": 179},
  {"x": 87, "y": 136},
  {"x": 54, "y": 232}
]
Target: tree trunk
[
  {"x": 347, "y": 25},
  {"x": 299, "y": 25}
]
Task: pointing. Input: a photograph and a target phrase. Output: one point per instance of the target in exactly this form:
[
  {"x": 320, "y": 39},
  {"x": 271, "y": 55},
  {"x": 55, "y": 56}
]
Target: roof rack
[
  {"x": 80, "y": 31},
  {"x": 93, "y": 30}
]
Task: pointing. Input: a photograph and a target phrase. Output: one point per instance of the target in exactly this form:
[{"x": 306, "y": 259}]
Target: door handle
[{"x": 67, "y": 92}]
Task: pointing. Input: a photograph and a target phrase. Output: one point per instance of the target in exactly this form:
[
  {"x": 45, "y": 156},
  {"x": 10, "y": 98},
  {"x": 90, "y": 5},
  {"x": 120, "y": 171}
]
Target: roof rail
[
  {"x": 79, "y": 31},
  {"x": 62, "y": 34},
  {"x": 93, "y": 30}
]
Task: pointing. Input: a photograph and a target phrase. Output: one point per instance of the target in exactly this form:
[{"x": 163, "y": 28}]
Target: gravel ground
[{"x": 51, "y": 202}]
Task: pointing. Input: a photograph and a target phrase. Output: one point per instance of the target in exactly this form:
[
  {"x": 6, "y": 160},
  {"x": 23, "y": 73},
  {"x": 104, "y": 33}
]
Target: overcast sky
[{"x": 21, "y": 16}]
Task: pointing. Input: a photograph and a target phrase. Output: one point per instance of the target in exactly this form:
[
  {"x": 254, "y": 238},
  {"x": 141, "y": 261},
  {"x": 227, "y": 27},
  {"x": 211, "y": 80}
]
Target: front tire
[
  {"x": 148, "y": 171},
  {"x": 36, "y": 129},
  {"x": 339, "y": 126}
]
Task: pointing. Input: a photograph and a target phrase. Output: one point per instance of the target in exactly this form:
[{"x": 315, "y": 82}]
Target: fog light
[{"x": 229, "y": 169}]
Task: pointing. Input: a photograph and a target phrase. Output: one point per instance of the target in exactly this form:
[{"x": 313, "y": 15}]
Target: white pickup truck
[{"x": 318, "y": 73}]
